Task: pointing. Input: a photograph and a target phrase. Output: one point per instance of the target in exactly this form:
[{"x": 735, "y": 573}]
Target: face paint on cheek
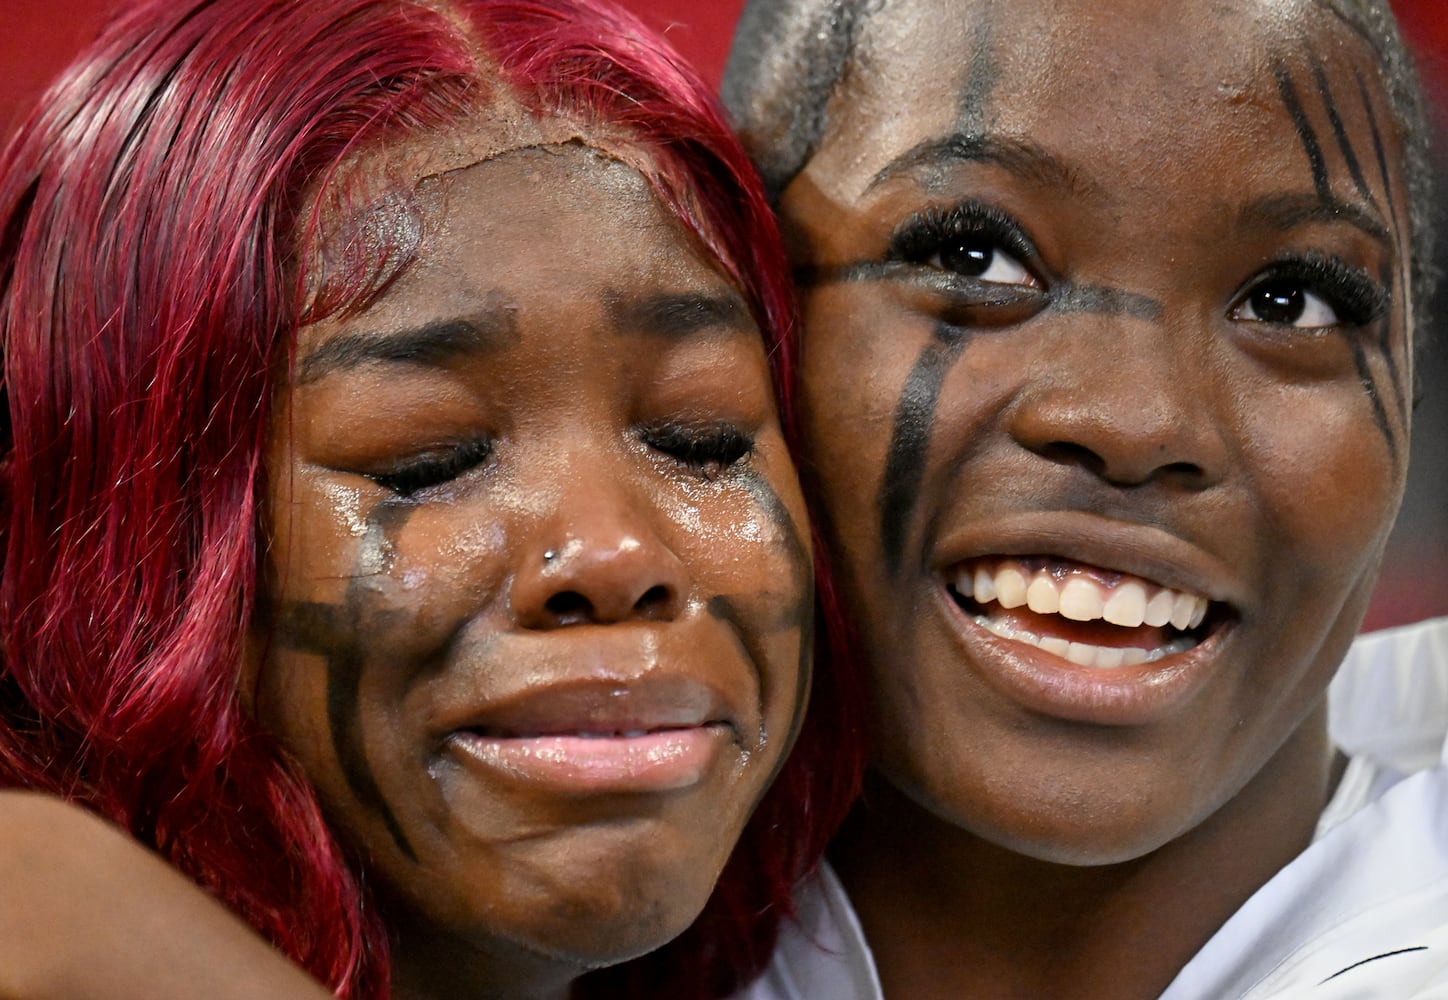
[
  {"x": 795, "y": 615},
  {"x": 910, "y": 439},
  {"x": 338, "y": 635}
]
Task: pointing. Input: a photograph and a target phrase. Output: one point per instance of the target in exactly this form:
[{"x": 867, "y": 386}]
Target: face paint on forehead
[
  {"x": 338, "y": 634},
  {"x": 980, "y": 80},
  {"x": 1339, "y": 131}
]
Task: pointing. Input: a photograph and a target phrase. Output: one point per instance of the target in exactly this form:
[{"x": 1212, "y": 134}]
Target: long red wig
[{"x": 151, "y": 259}]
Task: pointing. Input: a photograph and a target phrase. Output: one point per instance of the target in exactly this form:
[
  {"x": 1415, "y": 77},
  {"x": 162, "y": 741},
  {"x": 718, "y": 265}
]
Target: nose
[
  {"x": 600, "y": 560},
  {"x": 1131, "y": 405}
]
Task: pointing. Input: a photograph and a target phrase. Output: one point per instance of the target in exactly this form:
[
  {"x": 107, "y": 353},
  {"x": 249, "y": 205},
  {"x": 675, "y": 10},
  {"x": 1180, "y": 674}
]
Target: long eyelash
[
  {"x": 1353, "y": 294},
  {"x": 707, "y": 449},
  {"x": 430, "y": 469},
  {"x": 925, "y": 233}
]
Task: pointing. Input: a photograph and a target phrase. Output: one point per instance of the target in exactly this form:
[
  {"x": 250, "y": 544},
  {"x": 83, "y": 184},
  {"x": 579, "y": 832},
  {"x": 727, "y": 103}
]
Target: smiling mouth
[{"x": 1086, "y": 615}]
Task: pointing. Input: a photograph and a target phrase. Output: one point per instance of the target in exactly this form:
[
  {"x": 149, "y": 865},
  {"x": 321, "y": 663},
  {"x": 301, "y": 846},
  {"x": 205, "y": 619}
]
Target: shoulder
[
  {"x": 821, "y": 952},
  {"x": 1362, "y": 913},
  {"x": 1389, "y": 699}
]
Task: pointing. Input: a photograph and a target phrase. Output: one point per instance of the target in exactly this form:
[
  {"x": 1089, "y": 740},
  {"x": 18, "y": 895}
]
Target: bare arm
[{"x": 86, "y": 913}]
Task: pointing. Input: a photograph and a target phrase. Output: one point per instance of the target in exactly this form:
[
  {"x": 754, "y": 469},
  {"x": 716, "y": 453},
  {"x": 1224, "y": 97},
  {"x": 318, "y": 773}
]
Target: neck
[
  {"x": 426, "y": 968},
  {"x": 950, "y": 914}
]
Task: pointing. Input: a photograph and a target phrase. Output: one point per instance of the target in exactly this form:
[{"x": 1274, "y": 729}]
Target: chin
[{"x": 1051, "y": 818}]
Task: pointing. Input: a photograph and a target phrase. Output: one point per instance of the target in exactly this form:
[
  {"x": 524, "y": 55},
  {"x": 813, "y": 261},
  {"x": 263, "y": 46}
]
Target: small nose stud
[{"x": 549, "y": 556}]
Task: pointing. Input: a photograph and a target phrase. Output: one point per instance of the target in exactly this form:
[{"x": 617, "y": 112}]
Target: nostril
[
  {"x": 655, "y": 602},
  {"x": 569, "y": 606},
  {"x": 1071, "y": 453}
]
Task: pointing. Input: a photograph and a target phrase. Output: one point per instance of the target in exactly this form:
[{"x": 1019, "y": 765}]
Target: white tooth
[
  {"x": 1080, "y": 601},
  {"x": 1109, "y": 656},
  {"x": 1005, "y": 630},
  {"x": 1182, "y": 611},
  {"x": 1158, "y": 609},
  {"x": 963, "y": 584},
  {"x": 1199, "y": 613},
  {"x": 1010, "y": 587},
  {"x": 1041, "y": 596},
  {"x": 1132, "y": 655},
  {"x": 984, "y": 586},
  {"x": 1054, "y": 645},
  {"x": 1127, "y": 606},
  {"x": 1082, "y": 654}
]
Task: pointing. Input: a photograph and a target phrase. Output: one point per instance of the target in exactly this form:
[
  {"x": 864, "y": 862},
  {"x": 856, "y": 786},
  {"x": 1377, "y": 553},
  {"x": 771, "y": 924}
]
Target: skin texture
[
  {"x": 1101, "y": 388},
  {"x": 158, "y": 936},
  {"x": 538, "y": 487}
]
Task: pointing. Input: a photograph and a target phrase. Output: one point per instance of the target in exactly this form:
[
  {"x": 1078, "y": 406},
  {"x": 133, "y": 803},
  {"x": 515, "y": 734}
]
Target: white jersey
[{"x": 1362, "y": 914}]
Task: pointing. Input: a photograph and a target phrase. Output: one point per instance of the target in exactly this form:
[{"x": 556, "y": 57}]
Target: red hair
[{"x": 149, "y": 259}]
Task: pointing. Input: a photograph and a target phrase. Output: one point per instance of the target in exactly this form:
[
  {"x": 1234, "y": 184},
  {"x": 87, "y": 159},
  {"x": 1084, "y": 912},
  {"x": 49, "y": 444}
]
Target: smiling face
[
  {"x": 539, "y": 574},
  {"x": 1106, "y": 376}
]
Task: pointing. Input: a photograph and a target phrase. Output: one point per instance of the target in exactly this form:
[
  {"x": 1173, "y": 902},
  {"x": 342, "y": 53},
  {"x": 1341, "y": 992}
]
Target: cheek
[
  {"x": 748, "y": 547},
  {"x": 856, "y": 361},
  {"x": 1329, "y": 483}
]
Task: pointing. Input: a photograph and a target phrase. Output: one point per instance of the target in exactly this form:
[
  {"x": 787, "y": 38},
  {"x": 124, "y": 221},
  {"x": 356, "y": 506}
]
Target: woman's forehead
[{"x": 1090, "y": 78}]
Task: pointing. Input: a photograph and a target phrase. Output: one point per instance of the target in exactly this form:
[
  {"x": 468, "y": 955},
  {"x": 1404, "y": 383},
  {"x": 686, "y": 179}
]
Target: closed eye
[
  {"x": 432, "y": 468},
  {"x": 707, "y": 449}
]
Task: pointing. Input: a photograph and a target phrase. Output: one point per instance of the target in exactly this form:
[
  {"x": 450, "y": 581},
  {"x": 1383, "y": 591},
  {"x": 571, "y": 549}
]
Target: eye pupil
[
  {"x": 1279, "y": 302},
  {"x": 971, "y": 259}
]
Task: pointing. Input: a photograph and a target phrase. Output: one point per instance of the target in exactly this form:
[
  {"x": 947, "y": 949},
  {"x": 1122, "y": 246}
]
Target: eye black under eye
[
  {"x": 415, "y": 474},
  {"x": 708, "y": 449}
]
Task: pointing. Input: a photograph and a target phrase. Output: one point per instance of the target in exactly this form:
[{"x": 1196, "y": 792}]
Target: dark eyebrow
[
  {"x": 432, "y": 344},
  {"x": 1019, "y": 156},
  {"x": 1285, "y": 211},
  {"x": 677, "y": 316}
]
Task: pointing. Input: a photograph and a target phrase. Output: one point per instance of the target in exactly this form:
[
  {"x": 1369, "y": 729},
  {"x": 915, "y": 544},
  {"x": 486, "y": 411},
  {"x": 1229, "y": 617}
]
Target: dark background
[{"x": 38, "y": 37}]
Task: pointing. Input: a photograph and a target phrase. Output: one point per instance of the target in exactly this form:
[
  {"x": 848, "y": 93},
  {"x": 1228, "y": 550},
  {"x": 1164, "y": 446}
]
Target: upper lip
[
  {"x": 604, "y": 687},
  {"x": 1143, "y": 551},
  {"x": 599, "y": 706}
]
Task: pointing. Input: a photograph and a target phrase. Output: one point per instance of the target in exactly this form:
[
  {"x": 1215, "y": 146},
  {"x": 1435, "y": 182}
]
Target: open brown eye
[{"x": 1286, "y": 303}]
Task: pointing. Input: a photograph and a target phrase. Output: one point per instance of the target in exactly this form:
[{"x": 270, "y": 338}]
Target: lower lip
[
  {"x": 661, "y": 761},
  {"x": 1136, "y": 695}
]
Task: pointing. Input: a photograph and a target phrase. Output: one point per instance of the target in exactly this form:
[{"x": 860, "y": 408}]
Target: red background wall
[{"x": 41, "y": 36}]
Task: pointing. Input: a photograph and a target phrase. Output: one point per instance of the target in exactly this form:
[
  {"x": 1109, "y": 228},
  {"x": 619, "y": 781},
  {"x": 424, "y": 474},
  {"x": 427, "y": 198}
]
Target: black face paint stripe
[
  {"x": 1105, "y": 301},
  {"x": 1310, "y": 143},
  {"x": 1385, "y": 337},
  {"x": 1385, "y": 347},
  {"x": 910, "y": 440},
  {"x": 1339, "y": 131},
  {"x": 1379, "y": 148},
  {"x": 333, "y": 633},
  {"x": 344, "y": 674},
  {"x": 1369, "y": 384},
  {"x": 801, "y": 614},
  {"x": 980, "y": 80}
]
